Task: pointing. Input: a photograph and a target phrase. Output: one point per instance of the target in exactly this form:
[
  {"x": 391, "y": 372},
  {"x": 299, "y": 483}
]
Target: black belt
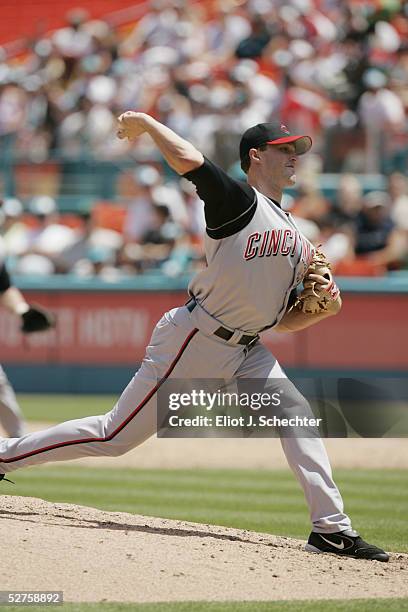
[{"x": 224, "y": 333}]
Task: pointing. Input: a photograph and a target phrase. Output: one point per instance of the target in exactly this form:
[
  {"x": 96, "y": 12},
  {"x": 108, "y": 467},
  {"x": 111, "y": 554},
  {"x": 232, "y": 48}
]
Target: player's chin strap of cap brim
[{"x": 224, "y": 333}]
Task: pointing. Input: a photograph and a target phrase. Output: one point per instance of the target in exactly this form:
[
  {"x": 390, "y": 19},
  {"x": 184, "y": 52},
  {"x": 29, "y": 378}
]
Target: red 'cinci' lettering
[{"x": 273, "y": 242}]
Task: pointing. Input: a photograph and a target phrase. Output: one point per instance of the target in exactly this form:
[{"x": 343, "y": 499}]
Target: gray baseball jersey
[{"x": 250, "y": 275}]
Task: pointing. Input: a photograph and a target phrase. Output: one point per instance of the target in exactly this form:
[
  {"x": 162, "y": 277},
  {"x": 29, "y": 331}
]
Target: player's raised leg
[
  {"x": 176, "y": 350},
  {"x": 129, "y": 423}
]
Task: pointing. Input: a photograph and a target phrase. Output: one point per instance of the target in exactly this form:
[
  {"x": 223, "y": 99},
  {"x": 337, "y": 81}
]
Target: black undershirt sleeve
[
  {"x": 229, "y": 205},
  {"x": 4, "y": 279}
]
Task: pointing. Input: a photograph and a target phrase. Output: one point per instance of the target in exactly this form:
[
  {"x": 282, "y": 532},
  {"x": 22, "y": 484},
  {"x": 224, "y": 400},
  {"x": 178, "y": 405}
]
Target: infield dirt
[{"x": 94, "y": 555}]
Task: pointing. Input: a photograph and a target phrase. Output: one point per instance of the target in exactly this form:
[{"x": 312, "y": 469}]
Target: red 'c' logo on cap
[{"x": 284, "y": 128}]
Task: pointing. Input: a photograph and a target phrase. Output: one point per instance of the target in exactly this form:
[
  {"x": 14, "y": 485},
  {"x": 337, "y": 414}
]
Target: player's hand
[
  {"x": 320, "y": 282},
  {"x": 131, "y": 125}
]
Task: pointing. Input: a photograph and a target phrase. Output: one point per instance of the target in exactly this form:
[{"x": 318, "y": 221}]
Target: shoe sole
[{"x": 314, "y": 549}]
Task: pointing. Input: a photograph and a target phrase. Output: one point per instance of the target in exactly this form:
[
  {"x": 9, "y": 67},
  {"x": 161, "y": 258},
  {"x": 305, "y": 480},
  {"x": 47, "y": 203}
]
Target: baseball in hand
[{"x": 131, "y": 125}]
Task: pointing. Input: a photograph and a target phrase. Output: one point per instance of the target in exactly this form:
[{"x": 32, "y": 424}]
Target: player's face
[{"x": 281, "y": 162}]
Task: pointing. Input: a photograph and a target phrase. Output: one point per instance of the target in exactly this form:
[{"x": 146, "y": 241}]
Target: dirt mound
[{"x": 93, "y": 555}]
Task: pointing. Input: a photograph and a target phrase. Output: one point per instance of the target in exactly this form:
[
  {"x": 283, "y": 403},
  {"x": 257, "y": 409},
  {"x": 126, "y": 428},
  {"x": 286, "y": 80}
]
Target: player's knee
[{"x": 293, "y": 402}]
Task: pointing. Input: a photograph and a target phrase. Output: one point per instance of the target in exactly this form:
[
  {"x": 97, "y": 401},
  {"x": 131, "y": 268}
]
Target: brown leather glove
[{"x": 319, "y": 289}]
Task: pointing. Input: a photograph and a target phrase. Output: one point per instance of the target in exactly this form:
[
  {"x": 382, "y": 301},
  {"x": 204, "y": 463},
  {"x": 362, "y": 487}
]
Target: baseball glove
[
  {"x": 36, "y": 319},
  {"x": 318, "y": 296}
]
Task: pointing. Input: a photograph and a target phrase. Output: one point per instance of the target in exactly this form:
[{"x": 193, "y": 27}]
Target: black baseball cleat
[
  {"x": 3, "y": 477},
  {"x": 346, "y": 544}
]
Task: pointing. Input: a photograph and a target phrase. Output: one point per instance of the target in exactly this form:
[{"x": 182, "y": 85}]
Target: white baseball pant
[{"x": 182, "y": 346}]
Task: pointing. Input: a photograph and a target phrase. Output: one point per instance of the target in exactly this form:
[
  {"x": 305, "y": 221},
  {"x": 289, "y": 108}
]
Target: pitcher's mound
[{"x": 93, "y": 555}]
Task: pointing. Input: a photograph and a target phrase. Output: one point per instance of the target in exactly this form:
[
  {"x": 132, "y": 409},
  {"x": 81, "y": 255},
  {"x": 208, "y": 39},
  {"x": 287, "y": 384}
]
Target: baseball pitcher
[{"x": 256, "y": 258}]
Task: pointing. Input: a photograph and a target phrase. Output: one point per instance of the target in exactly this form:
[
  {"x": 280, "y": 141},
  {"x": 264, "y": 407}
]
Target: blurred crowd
[
  {"x": 361, "y": 233},
  {"x": 209, "y": 70},
  {"x": 160, "y": 227}
]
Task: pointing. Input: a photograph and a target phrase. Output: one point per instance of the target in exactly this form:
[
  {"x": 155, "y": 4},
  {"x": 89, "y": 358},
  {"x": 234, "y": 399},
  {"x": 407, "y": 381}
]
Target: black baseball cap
[{"x": 272, "y": 133}]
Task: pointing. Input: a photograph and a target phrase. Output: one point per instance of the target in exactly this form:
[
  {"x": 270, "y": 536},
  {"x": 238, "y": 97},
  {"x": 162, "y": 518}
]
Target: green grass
[
  {"x": 263, "y": 501},
  {"x": 353, "y": 605},
  {"x": 58, "y": 408}
]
